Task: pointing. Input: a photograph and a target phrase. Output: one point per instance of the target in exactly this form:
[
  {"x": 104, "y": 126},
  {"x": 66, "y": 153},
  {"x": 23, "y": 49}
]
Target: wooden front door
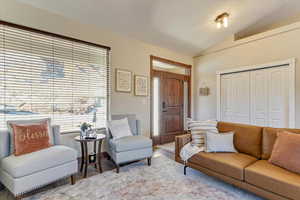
[{"x": 171, "y": 108}]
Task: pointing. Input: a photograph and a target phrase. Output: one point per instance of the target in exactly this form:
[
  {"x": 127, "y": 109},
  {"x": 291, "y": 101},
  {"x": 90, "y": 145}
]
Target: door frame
[
  {"x": 152, "y": 72},
  {"x": 292, "y": 84}
]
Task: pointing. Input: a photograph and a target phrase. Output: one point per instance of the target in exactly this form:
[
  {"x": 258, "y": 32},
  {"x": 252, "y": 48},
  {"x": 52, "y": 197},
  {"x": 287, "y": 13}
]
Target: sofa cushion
[
  {"x": 130, "y": 143},
  {"x": 247, "y": 138},
  {"x": 269, "y": 138},
  {"x": 19, "y": 166},
  {"x": 229, "y": 164},
  {"x": 286, "y": 151},
  {"x": 220, "y": 142},
  {"x": 274, "y": 179}
]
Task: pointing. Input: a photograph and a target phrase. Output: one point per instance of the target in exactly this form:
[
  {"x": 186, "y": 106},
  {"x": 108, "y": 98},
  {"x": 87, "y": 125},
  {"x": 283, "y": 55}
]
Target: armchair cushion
[
  {"x": 30, "y": 138},
  {"x": 132, "y": 121},
  {"x": 130, "y": 143},
  {"x": 119, "y": 128},
  {"x": 19, "y": 166},
  {"x": 28, "y": 122},
  {"x": 5, "y": 140}
]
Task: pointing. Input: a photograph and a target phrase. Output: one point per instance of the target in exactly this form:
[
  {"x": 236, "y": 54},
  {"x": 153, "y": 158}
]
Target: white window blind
[{"x": 42, "y": 75}]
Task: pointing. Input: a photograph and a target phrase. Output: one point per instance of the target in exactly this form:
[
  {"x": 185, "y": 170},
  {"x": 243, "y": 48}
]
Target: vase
[{"x": 82, "y": 134}]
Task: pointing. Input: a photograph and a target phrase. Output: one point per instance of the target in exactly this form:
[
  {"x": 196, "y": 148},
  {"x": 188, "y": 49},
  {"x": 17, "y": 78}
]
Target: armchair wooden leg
[
  {"x": 149, "y": 161},
  {"x": 117, "y": 168},
  {"x": 73, "y": 179},
  {"x": 19, "y": 197},
  {"x": 108, "y": 157}
]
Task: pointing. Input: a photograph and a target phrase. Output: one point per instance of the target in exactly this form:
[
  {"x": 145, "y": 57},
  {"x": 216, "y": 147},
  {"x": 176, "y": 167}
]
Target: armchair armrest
[
  {"x": 138, "y": 127},
  {"x": 180, "y": 141},
  {"x": 56, "y": 134},
  {"x": 4, "y": 144}
]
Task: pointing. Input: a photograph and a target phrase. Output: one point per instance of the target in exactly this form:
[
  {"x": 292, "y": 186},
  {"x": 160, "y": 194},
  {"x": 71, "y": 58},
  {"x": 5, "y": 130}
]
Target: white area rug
[{"x": 164, "y": 180}]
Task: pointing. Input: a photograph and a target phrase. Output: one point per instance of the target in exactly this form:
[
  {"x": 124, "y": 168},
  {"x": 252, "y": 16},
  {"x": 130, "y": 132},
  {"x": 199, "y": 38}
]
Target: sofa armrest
[{"x": 180, "y": 141}]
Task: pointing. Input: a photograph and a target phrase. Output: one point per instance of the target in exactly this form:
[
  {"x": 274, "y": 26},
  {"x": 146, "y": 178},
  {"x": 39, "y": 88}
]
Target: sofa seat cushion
[
  {"x": 274, "y": 179},
  {"x": 229, "y": 164},
  {"x": 129, "y": 143},
  {"x": 19, "y": 166}
]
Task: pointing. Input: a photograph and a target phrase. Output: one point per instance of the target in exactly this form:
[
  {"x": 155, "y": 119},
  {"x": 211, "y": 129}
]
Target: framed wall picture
[
  {"x": 123, "y": 80},
  {"x": 140, "y": 85}
]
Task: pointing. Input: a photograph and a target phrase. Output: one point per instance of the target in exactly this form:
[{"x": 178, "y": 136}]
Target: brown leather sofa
[{"x": 249, "y": 169}]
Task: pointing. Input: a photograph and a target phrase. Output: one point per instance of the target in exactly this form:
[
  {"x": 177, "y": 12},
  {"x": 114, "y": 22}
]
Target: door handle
[{"x": 164, "y": 107}]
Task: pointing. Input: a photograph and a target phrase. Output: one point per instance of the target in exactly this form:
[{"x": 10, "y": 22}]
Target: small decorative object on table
[{"x": 86, "y": 131}]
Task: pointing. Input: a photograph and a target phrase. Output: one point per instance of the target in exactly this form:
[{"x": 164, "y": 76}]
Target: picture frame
[
  {"x": 140, "y": 85},
  {"x": 123, "y": 80}
]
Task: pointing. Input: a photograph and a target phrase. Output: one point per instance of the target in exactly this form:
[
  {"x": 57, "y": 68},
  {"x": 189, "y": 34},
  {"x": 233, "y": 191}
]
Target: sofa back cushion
[
  {"x": 286, "y": 151},
  {"x": 247, "y": 138},
  {"x": 269, "y": 138}
]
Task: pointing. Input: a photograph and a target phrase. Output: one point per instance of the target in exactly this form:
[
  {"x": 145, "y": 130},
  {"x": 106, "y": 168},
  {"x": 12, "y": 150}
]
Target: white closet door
[
  {"x": 270, "y": 97},
  {"x": 235, "y": 97},
  {"x": 278, "y": 97},
  {"x": 227, "y": 98},
  {"x": 259, "y": 97}
]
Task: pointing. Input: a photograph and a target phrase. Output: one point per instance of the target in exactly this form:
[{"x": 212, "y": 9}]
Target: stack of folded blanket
[{"x": 199, "y": 129}]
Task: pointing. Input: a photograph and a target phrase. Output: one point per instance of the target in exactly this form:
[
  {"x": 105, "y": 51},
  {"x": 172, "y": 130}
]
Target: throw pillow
[
  {"x": 119, "y": 128},
  {"x": 28, "y": 122},
  {"x": 198, "y": 130},
  {"x": 30, "y": 138},
  {"x": 286, "y": 151},
  {"x": 220, "y": 142},
  {"x": 198, "y": 138}
]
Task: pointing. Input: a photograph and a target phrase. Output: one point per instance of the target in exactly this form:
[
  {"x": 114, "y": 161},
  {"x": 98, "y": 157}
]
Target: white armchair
[
  {"x": 21, "y": 174},
  {"x": 129, "y": 148}
]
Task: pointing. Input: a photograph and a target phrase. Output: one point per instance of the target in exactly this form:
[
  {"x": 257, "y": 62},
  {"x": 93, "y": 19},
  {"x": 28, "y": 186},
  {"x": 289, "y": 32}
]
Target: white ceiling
[{"x": 185, "y": 26}]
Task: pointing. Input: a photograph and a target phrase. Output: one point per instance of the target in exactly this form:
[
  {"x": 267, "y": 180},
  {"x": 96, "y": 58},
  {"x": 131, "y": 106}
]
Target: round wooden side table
[{"x": 90, "y": 159}]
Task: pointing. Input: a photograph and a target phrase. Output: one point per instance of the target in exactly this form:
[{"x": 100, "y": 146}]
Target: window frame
[{"x": 59, "y": 36}]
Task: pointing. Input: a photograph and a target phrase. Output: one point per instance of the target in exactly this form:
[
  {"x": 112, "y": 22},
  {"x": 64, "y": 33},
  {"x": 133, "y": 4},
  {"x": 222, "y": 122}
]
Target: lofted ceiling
[{"x": 185, "y": 26}]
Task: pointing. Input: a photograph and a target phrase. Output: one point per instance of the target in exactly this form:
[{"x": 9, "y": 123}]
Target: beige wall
[
  {"x": 276, "y": 45},
  {"x": 126, "y": 53}
]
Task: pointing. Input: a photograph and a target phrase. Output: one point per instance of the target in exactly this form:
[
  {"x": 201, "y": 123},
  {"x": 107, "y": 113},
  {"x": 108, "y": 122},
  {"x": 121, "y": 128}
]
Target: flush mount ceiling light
[{"x": 222, "y": 20}]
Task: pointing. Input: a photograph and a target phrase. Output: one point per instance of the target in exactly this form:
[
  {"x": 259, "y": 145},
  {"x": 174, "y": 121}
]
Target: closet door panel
[
  {"x": 242, "y": 97},
  {"x": 235, "y": 99},
  {"x": 226, "y": 98},
  {"x": 278, "y": 97},
  {"x": 259, "y": 98}
]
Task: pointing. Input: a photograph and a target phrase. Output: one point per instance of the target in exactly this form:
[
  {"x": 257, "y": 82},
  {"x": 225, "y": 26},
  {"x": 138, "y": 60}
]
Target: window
[
  {"x": 156, "y": 108},
  {"x": 45, "y": 75}
]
